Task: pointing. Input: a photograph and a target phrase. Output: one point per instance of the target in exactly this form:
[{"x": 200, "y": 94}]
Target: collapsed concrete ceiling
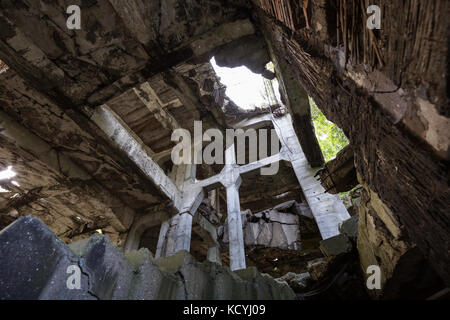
[
  {"x": 140, "y": 69},
  {"x": 155, "y": 77}
]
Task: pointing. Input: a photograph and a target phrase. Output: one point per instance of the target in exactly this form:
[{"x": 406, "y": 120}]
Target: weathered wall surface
[
  {"x": 117, "y": 41},
  {"x": 82, "y": 143},
  {"x": 387, "y": 91},
  {"x": 408, "y": 171},
  {"x": 34, "y": 262},
  {"x": 339, "y": 174},
  {"x": 383, "y": 241}
]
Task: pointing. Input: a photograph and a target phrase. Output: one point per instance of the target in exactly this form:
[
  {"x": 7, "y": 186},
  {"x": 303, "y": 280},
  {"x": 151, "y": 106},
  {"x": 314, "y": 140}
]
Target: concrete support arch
[{"x": 140, "y": 224}]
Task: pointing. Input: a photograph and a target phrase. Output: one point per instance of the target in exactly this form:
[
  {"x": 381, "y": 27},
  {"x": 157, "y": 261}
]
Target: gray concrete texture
[{"x": 34, "y": 265}]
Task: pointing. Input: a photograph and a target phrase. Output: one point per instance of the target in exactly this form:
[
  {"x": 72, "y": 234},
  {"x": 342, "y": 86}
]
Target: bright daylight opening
[
  {"x": 248, "y": 90},
  {"x": 331, "y": 138},
  {"x": 8, "y": 174},
  {"x": 3, "y": 67},
  {"x": 245, "y": 88}
]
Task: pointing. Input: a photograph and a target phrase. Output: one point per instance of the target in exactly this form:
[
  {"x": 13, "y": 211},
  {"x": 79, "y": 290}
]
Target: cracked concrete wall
[
  {"x": 387, "y": 153},
  {"x": 382, "y": 241},
  {"x": 34, "y": 264}
]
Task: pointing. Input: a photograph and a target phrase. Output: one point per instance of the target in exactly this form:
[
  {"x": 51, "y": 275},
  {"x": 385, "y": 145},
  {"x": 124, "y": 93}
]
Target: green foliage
[{"x": 331, "y": 138}]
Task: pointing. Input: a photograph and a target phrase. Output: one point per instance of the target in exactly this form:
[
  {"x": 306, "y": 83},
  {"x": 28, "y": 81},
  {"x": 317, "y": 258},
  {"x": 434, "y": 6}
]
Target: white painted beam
[
  {"x": 259, "y": 164},
  {"x": 216, "y": 180},
  {"x": 183, "y": 232},
  {"x": 328, "y": 209},
  {"x": 130, "y": 144}
]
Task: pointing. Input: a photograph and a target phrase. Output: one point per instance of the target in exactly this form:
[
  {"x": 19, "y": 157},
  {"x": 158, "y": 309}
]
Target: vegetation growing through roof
[{"x": 331, "y": 138}]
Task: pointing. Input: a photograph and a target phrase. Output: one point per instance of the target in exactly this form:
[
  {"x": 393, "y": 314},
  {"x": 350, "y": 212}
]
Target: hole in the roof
[
  {"x": 7, "y": 173},
  {"x": 3, "y": 190},
  {"x": 246, "y": 89}
]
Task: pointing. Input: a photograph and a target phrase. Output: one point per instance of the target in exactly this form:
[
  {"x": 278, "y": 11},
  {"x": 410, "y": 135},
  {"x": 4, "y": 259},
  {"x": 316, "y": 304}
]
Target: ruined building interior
[{"x": 87, "y": 177}]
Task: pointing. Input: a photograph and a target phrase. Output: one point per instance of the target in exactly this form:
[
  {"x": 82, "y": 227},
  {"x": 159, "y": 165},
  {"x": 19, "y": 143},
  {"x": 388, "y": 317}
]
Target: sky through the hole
[{"x": 244, "y": 88}]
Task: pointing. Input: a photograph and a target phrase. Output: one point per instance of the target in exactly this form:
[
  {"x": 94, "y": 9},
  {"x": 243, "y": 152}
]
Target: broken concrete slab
[
  {"x": 220, "y": 282},
  {"x": 109, "y": 272},
  {"x": 263, "y": 286},
  {"x": 34, "y": 263},
  {"x": 336, "y": 245},
  {"x": 297, "y": 281},
  {"x": 151, "y": 283},
  {"x": 317, "y": 268},
  {"x": 350, "y": 228},
  {"x": 270, "y": 228},
  {"x": 250, "y": 51}
]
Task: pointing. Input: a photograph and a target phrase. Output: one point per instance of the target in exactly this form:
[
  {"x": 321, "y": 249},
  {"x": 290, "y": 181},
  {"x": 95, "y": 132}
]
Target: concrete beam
[
  {"x": 328, "y": 210},
  {"x": 208, "y": 231},
  {"x": 162, "y": 155},
  {"x": 192, "y": 197},
  {"x": 216, "y": 181},
  {"x": 297, "y": 101},
  {"x": 162, "y": 240},
  {"x": 183, "y": 232},
  {"x": 214, "y": 254},
  {"x": 175, "y": 234},
  {"x": 129, "y": 143},
  {"x": 247, "y": 168},
  {"x": 148, "y": 97}
]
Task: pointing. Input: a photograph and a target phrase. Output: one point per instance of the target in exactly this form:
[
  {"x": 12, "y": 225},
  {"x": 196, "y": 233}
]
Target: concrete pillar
[
  {"x": 235, "y": 233},
  {"x": 175, "y": 234},
  {"x": 212, "y": 198},
  {"x": 183, "y": 232},
  {"x": 161, "y": 247},
  {"x": 234, "y": 220},
  {"x": 214, "y": 254},
  {"x": 328, "y": 209}
]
